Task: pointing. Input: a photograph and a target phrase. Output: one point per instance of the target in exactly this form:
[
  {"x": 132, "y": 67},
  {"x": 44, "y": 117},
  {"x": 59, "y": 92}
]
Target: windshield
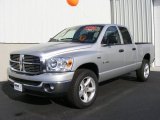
[{"x": 83, "y": 34}]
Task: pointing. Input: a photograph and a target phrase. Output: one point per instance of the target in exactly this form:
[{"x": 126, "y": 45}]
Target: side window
[
  {"x": 111, "y": 36},
  {"x": 125, "y": 35}
]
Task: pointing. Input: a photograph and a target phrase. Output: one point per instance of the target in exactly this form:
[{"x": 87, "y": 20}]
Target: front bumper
[{"x": 40, "y": 85}]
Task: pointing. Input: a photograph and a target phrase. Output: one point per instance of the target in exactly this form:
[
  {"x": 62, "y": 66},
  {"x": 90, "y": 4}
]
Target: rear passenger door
[{"x": 129, "y": 48}]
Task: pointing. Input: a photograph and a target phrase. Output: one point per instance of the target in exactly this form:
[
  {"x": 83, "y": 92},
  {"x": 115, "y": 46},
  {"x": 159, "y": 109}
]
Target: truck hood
[{"x": 54, "y": 48}]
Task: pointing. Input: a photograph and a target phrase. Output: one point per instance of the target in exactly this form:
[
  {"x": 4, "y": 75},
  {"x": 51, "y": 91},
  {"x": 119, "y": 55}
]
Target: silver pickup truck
[{"x": 74, "y": 61}]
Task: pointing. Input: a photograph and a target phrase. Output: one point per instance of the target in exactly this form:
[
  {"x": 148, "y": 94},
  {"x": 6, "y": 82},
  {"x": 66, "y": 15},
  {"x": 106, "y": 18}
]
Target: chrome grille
[
  {"x": 25, "y": 63},
  {"x": 15, "y": 57},
  {"x": 15, "y": 65},
  {"x": 31, "y": 59},
  {"x": 32, "y": 68}
]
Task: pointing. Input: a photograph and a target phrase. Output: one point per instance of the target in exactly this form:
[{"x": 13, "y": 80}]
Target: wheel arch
[
  {"x": 91, "y": 66},
  {"x": 147, "y": 56}
]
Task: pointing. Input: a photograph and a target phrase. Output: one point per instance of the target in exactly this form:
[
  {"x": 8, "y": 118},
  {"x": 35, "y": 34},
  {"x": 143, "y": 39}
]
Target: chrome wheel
[
  {"x": 146, "y": 71},
  {"x": 87, "y": 89}
]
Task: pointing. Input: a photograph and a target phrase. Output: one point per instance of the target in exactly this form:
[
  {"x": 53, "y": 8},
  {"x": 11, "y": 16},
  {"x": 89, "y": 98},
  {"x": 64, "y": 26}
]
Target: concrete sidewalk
[{"x": 155, "y": 69}]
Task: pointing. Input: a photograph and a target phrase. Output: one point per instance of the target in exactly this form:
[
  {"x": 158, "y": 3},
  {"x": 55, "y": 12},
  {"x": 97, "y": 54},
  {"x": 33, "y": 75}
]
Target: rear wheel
[
  {"x": 144, "y": 72},
  {"x": 84, "y": 88}
]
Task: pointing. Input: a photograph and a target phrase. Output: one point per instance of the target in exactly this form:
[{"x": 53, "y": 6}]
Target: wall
[{"x": 35, "y": 21}]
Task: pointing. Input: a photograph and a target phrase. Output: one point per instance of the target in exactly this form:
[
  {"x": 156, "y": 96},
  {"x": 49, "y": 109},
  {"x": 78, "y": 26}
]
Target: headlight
[{"x": 59, "y": 64}]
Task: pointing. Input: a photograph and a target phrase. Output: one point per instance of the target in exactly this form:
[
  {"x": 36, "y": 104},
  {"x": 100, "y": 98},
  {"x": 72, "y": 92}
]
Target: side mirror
[{"x": 50, "y": 39}]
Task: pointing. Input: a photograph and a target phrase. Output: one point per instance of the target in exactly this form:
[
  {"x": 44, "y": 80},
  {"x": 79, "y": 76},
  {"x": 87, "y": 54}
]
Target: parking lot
[{"x": 122, "y": 98}]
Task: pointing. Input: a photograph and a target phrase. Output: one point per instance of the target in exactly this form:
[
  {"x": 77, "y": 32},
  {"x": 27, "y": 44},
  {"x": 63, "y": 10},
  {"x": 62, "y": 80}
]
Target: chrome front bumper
[{"x": 36, "y": 83}]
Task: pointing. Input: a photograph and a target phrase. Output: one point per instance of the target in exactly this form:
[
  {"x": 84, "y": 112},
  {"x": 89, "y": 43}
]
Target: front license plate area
[{"x": 18, "y": 87}]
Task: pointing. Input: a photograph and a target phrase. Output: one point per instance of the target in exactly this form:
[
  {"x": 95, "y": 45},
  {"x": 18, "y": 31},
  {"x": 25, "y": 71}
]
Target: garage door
[
  {"x": 136, "y": 15},
  {"x": 157, "y": 31}
]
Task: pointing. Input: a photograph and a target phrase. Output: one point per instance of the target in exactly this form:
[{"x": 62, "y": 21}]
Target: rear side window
[{"x": 125, "y": 35}]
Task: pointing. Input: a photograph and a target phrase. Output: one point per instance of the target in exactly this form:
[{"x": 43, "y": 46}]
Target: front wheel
[
  {"x": 84, "y": 88},
  {"x": 144, "y": 72}
]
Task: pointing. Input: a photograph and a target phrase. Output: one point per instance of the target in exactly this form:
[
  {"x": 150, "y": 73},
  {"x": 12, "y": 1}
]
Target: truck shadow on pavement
[
  {"x": 8, "y": 90},
  {"x": 29, "y": 99},
  {"x": 127, "y": 77}
]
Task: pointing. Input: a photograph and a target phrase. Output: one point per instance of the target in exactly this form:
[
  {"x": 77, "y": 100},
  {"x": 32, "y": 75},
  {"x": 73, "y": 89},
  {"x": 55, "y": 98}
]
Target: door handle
[
  {"x": 133, "y": 48},
  {"x": 121, "y": 50}
]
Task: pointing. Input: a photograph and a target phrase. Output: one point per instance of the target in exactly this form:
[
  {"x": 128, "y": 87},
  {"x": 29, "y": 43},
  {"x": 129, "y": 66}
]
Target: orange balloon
[{"x": 73, "y": 2}]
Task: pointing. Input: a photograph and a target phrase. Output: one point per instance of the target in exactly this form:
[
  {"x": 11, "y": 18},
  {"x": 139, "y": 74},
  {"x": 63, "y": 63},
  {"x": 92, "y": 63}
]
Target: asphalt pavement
[{"x": 122, "y": 98}]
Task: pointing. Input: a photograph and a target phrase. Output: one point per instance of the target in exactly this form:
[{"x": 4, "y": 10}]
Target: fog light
[
  {"x": 51, "y": 87},
  {"x": 48, "y": 88}
]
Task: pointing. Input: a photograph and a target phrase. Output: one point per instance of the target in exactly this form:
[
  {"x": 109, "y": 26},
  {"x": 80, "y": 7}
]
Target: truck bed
[{"x": 144, "y": 48}]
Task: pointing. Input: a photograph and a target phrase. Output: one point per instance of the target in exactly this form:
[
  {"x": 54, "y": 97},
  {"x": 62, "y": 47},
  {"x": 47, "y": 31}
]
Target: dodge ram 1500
[{"x": 76, "y": 60}]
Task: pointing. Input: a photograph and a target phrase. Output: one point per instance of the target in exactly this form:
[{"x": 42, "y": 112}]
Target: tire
[
  {"x": 144, "y": 72},
  {"x": 79, "y": 95}
]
